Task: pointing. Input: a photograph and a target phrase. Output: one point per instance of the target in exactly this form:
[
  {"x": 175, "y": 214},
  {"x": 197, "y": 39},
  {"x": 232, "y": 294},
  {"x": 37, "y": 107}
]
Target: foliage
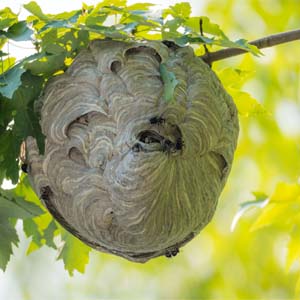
[
  {"x": 223, "y": 264},
  {"x": 13, "y": 207},
  {"x": 281, "y": 209}
]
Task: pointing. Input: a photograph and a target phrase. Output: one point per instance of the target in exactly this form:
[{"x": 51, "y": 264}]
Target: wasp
[
  {"x": 172, "y": 252},
  {"x": 167, "y": 146},
  {"x": 157, "y": 120},
  {"x": 137, "y": 147},
  {"x": 179, "y": 144},
  {"x": 171, "y": 45}
]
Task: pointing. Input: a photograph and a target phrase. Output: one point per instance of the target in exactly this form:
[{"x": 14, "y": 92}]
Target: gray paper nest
[{"x": 124, "y": 170}]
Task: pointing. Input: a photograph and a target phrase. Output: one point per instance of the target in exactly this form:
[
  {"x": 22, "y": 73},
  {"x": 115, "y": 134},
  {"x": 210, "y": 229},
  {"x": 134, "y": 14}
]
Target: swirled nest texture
[{"x": 124, "y": 170}]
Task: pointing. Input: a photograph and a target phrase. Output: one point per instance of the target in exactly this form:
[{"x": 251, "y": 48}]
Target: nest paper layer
[{"x": 124, "y": 170}]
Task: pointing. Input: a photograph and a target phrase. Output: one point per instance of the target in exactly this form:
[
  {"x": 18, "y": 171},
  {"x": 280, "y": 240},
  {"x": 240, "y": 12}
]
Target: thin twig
[
  {"x": 201, "y": 32},
  {"x": 22, "y": 47},
  {"x": 265, "y": 42}
]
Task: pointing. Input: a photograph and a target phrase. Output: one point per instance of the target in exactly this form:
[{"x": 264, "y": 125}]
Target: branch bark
[{"x": 265, "y": 42}]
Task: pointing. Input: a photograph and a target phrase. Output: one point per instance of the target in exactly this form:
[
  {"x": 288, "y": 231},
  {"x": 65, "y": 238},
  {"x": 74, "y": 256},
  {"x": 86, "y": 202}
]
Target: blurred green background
[{"x": 219, "y": 263}]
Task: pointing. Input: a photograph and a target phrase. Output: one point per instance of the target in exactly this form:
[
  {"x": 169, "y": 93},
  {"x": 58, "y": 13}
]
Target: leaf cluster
[{"x": 281, "y": 210}]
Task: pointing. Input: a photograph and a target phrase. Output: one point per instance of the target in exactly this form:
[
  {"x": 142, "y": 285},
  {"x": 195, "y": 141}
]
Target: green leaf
[
  {"x": 234, "y": 77},
  {"x": 3, "y": 54},
  {"x": 233, "y": 80},
  {"x": 65, "y": 23},
  {"x": 293, "y": 247},
  {"x": 8, "y": 236},
  {"x": 41, "y": 228},
  {"x": 25, "y": 120},
  {"x": 47, "y": 65},
  {"x": 259, "y": 202},
  {"x": 49, "y": 37},
  {"x": 193, "y": 24},
  {"x": 40, "y": 234},
  {"x": 181, "y": 10},
  {"x": 9, "y": 152},
  {"x": 246, "y": 104},
  {"x": 170, "y": 82},
  {"x": 54, "y": 49},
  {"x": 142, "y": 18},
  {"x": 6, "y": 109},
  {"x": 11, "y": 80},
  {"x": 19, "y": 32},
  {"x": 3, "y": 41},
  {"x": 68, "y": 16},
  {"x": 16, "y": 208},
  {"x": 49, "y": 234},
  {"x": 35, "y": 9},
  {"x": 25, "y": 123},
  {"x": 183, "y": 40},
  {"x": 110, "y": 32},
  {"x": 76, "y": 40},
  {"x": 282, "y": 207},
  {"x": 273, "y": 215},
  {"x": 243, "y": 44},
  {"x": 24, "y": 189},
  {"x": 7, "y": 18},
  {"x": 75, "y": 254},
  {"x": 96, "y": 18},
  {"x": 7, "y": 63},
  {"x": 173, "y": 25},
  {"x": 31, "y": 230},
  {"x": 240, "y": 44},
  {"x": 286, "y": 192},
  {"x": 297, "y": 288},
  {"x": 207, "y": 26},
  {"x": 31, "y": 209}
]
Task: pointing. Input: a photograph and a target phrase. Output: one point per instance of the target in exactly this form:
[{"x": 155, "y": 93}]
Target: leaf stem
[{"x": 265, "y": 42}]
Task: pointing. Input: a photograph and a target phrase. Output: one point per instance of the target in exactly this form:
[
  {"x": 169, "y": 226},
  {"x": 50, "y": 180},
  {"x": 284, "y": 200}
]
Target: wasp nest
[{"x": 124, "y": 170}]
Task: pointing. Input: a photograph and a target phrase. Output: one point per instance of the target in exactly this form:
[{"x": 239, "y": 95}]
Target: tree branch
[{"x": 268, "y": 41}]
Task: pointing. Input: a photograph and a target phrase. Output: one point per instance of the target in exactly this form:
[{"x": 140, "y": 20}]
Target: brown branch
[{"x": 268, "y": 41}]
